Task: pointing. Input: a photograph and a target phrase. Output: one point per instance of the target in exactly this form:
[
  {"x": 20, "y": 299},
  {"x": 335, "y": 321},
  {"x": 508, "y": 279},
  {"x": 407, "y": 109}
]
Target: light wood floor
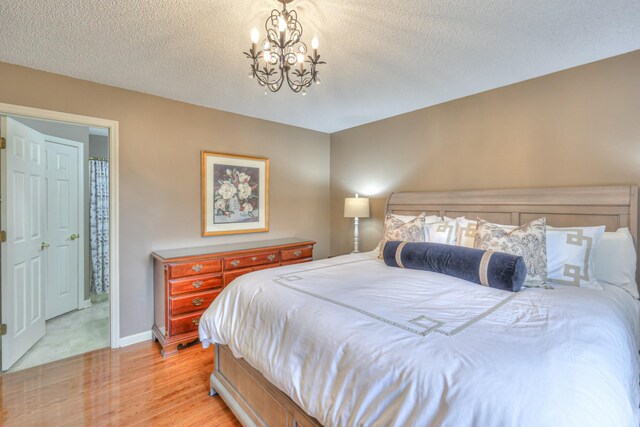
[{"x": 129, "y": 386}]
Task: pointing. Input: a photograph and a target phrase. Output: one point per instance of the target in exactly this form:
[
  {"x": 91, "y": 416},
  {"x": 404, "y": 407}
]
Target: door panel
[
  {"x": 19, "y": 193},
  {"x": 36, "y": 209},
  {"x": 20, "y": 299},
  {"x": 22, "y": 258},
  {"x": 37, "y": 269},
  {"x": 63, "y": 186}
]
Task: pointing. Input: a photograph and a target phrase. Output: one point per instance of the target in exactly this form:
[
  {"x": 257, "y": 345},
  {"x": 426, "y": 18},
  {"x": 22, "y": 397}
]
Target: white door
[
  {"x": 62, "y": 226},
  {"x": 22, "y": 217}
]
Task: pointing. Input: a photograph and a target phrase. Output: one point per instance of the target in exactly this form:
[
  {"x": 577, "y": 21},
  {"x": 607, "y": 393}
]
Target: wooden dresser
[{"x": 186, "y": 281}]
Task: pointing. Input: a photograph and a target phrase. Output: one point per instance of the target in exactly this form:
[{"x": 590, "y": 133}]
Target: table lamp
[{"x": 356, "y": 207}]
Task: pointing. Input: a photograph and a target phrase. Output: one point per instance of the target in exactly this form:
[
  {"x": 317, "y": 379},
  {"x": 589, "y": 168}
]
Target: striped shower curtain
[{"x": 99, "y": 225}]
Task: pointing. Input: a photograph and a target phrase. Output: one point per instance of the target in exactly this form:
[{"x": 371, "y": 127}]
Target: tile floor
[{"x": 73, "y": 333}]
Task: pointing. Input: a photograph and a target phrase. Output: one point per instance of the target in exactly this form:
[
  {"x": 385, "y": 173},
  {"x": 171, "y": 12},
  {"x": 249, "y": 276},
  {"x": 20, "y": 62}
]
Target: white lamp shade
[{"x": 356, "y": 207}]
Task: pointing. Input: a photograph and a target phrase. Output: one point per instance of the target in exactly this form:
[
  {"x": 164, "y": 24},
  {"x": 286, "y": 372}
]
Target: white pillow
[
  {"x": 571, "y": 255},
  {"x": 615, "y": 260},
  {"x": 441, "y": 232},
  {"x": 465, "y": 232}
]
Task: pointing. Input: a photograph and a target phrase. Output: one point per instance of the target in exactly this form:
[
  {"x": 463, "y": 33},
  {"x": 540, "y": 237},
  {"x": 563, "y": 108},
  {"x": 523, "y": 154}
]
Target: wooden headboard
[{"x": 612, "y": 206}]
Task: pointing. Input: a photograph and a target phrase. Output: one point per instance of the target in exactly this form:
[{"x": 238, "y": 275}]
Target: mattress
[{"x": 355, "y": 342}]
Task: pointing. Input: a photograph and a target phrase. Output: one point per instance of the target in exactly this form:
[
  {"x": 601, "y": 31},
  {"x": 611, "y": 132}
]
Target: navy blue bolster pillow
[{"x": 494, "y": 269}]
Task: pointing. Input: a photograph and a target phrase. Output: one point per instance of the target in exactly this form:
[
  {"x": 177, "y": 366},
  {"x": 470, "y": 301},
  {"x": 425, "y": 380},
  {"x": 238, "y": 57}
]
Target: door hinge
[
  {"x": 3, "y": 236},
  {"x": 3, "y": 143},
  {"x": 3, "y": 329}
]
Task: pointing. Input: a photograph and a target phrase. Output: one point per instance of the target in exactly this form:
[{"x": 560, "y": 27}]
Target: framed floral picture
[{"x": 235, "y": 194}]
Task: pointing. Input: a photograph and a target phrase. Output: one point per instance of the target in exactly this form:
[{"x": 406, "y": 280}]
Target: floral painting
[{"x": 235, "y": 194}]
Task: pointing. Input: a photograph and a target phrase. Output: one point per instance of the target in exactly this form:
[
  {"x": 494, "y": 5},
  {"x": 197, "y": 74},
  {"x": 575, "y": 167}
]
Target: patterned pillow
[
  {"x": 527, "y": 241},
  {"x": 571, "y": 255},
  {"x": 396, "y": 229}
]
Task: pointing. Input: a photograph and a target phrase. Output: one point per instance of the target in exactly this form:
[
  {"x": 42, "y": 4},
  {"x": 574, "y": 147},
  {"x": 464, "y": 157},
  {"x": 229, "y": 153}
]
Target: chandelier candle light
[
  {"x": 283, "y": 56},
  {"x": 356, "y": 207}
]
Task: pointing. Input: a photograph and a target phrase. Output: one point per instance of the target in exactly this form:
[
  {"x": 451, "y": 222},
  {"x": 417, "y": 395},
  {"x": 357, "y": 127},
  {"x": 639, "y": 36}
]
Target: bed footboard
[{"x": 251, "y": 397}]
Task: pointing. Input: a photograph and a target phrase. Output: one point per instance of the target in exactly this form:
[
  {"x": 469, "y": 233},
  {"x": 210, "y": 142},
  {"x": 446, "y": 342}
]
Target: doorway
[{"x": 57, "y": 281}]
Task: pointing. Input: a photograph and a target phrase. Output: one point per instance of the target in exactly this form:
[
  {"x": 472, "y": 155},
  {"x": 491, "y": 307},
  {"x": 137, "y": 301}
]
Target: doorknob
[
  {"x": 74, "y": 236},
  {"x": 43, "y": 246}
]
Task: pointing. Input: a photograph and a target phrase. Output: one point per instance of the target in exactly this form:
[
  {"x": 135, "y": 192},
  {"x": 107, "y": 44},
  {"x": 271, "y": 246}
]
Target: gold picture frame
[{"x": 235, "y": 194}]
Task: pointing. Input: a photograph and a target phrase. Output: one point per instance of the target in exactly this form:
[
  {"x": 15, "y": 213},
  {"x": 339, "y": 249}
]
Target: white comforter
[{"x": 354, "y": 342}]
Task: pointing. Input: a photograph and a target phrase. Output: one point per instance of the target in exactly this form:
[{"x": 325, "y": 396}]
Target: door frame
[
  {"x": 81, "y": 212},
  {"x": 114, "y": 197}
]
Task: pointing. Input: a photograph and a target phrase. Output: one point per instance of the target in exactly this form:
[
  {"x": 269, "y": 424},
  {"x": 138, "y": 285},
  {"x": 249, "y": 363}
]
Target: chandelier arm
[
  {"x": 293, "y": 85},
  {"x": 264, "y": 78},
  {"x": 276, "y": 84},
  {"x": 264, "y": 74},
  {"x": 257, "y": 72},
  {"x": 274, "y": 87},
  {"x": 303, "y": 83}
]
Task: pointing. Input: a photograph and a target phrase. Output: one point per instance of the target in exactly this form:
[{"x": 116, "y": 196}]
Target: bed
[{"x": 350, "y": 341}]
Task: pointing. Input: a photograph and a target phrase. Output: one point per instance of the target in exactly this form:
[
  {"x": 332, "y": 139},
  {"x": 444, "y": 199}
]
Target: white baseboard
[
  {"x": 135, "y": 339},
  {"x": 85, "y": 304}
]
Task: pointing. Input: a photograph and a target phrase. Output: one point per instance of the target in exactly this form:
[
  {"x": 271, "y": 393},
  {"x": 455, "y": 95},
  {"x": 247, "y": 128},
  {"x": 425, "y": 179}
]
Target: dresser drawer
[
  {"x": 228, "y": 277},
  {"x": 297, "y": 253},
  {"x": 296, "y": 261},
  {"x": 184, "y": 324},
  {"x": 191, "y": 302},
  {"x": 194, "y": 284},
  {"x": 232, "y": 263},
  {"x": 194, "y": 268}
]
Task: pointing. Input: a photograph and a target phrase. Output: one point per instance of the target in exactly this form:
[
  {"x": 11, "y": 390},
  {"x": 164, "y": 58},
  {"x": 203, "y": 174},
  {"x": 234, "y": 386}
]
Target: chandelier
[{"x": 283, "y": 56}]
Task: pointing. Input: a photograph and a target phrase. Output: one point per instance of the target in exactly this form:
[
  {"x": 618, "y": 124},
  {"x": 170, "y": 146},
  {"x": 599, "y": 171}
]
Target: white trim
[
  {"x": 114, "y": 196},
  {"x": 85, "y": 304},
  {"x": 135, "y": 338},
  {"x": 81, "y": 211}
]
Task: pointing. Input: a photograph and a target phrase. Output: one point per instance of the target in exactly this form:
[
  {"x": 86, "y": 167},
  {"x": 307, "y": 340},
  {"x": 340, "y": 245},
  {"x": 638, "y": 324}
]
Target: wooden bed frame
[{"x": 257, "y": 402}]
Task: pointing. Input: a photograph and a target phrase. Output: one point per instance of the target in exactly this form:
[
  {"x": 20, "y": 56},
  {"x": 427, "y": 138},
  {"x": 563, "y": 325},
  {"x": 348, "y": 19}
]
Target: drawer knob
[
  {"x": 297, "y": 253},
  {"x": 271, "y": 257},
  {"x": 196, "y": 321},
  {"x": 197, "y": 268},
  {"x": 235, "y": 262},
  {"x": 254, "y": 258},
  {"x": 198, "y": 301},
  {"x": 197, "y": 284}
]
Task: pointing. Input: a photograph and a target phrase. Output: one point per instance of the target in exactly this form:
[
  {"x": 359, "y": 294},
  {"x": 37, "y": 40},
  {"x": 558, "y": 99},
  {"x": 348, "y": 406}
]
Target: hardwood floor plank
[{"x": 128, "y": 386}]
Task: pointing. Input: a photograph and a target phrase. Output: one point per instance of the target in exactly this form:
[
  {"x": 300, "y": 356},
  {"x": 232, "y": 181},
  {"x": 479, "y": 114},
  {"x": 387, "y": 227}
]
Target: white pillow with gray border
[
  {"x": 571, "y": 255},
  {"x": 441, "y": 232}
]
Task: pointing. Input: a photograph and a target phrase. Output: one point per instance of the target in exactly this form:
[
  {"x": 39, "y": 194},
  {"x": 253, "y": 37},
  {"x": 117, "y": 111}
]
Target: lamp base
[{"x": 355, "y": 236}]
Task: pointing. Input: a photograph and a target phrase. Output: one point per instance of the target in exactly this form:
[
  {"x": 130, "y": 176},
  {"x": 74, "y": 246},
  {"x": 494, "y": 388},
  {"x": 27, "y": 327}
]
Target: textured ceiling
[{"x": 383, "y": 57}]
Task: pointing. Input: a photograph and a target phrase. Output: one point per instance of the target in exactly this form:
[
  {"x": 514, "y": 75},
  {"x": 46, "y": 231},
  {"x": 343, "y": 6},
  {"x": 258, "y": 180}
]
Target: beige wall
[
  {"x": 160, "y": 143},
  {"x": 576, "y": 127}
]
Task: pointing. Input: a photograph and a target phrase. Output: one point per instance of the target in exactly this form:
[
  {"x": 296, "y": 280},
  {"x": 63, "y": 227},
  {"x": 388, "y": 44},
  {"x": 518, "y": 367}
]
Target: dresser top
[{"x": 170, "y": 254}]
